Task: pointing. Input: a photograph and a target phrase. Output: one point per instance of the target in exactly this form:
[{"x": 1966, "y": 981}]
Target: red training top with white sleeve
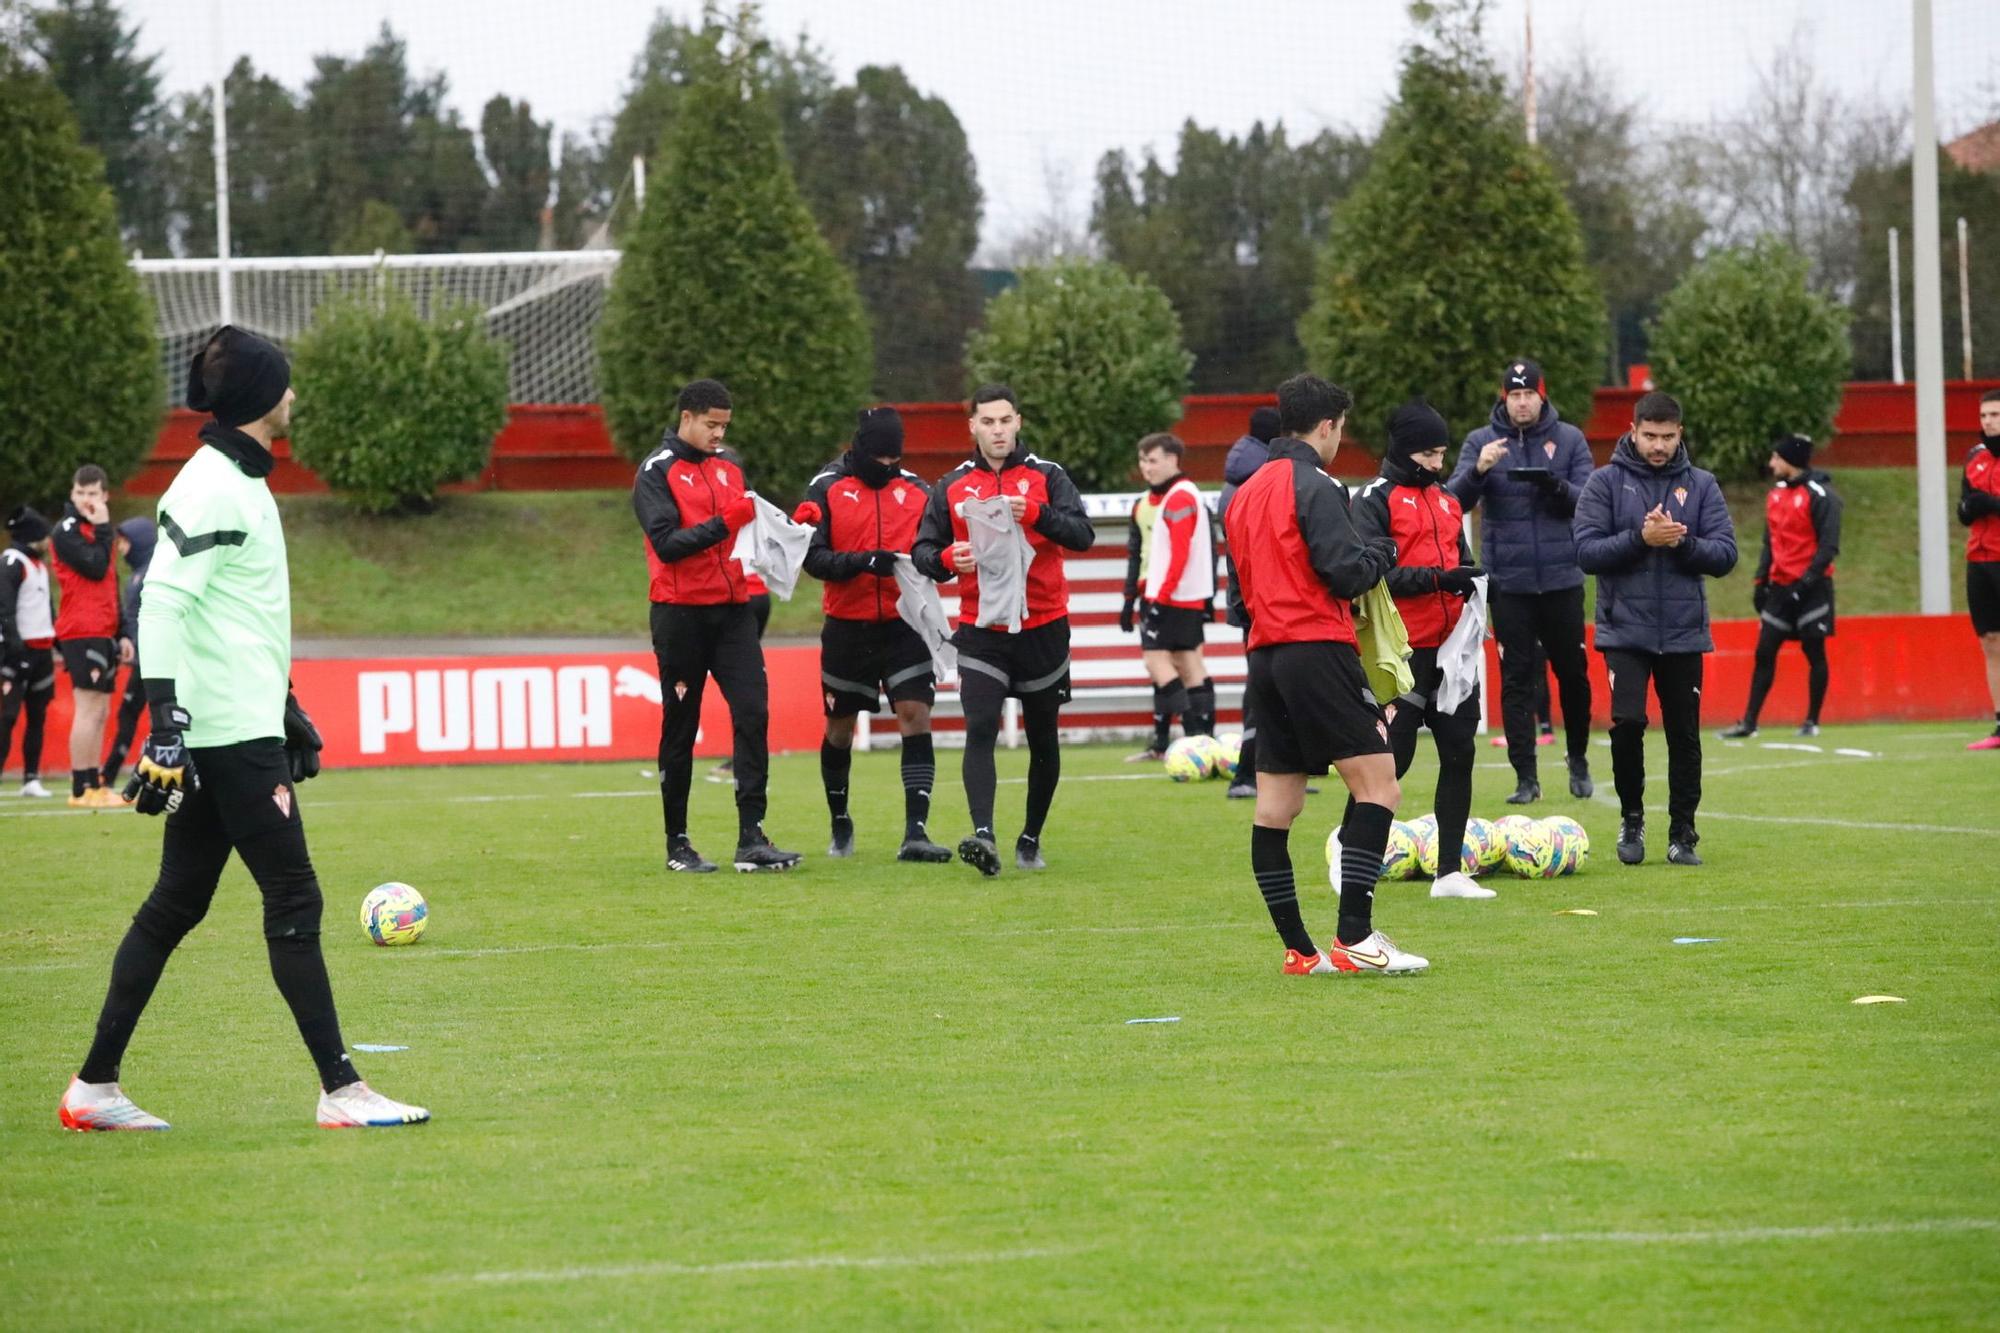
[
  {"x": 1054, "y": 520},
  {"x": 1181, "y": 571}
]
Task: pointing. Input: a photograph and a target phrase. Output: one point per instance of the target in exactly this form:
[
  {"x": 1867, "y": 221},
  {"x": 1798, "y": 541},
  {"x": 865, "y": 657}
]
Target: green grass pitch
[{"x": 874, "y": 1095}]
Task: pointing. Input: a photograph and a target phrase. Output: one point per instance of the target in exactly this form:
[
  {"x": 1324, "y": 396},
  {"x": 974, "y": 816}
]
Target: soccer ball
[
  {"x": 1399, "y": 854},
  {"x": 1188, "y": 760},
  {"x": 1532, "y": 852},
  {"x": 1424, "y": 832},
  {"x": 1574, "y": 832},
  {"x": 1483, "y": 848},
  {"x": 1215, "y": 763},
  {"x": 1507, "y": 824},
  {"x": 1229, "y": 748},
  {"x": 394, "y": 913},
  {"x": 1569, "y": 850}
]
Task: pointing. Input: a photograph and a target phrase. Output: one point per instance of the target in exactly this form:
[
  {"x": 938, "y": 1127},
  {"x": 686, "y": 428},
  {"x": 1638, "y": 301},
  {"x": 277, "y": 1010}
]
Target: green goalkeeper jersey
[{"x": 217, "y": 615}]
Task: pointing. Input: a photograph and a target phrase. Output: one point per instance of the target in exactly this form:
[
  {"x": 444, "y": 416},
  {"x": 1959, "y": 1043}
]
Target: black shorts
[
  {"x": 861, "y": 660},
  {"x": 1982, "y": 595},
  {"x": 1313, "y": 706},
  {"x": 1033, "y": 662},
  {"x": 1809, "y": 617},
  {"x": 92, "y": 664},
  {"x": 1171, "y": 629}
]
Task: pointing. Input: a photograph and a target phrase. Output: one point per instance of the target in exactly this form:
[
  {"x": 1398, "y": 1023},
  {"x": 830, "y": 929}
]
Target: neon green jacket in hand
[
  {"x": 1383, "y": 643},
  {"x": 217, "y": 616}
]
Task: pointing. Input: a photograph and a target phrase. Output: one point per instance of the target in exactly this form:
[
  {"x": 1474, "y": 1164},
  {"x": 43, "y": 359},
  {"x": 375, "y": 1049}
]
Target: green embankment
[{"x": 569, "y": 563}]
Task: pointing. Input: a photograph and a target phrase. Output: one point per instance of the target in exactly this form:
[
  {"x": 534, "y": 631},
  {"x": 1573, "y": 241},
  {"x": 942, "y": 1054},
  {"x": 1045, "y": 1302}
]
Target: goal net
[{"x": 543, "y": 304}]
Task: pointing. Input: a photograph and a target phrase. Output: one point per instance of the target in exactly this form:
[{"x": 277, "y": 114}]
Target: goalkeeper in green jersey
[{"x": 228, "y": 742}]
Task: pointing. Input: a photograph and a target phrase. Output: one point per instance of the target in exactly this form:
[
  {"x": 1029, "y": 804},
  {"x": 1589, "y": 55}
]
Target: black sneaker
[
  {"x": 843, "y": 836},
  {"x": 1742, "y": 731},
  {"x": 980, "y": 853},
  {"x": 682, "y": 856},
  {"x": 757, "y": 853},
  {"x": 1632, "y": 840},
  {"x": 1580, "y": 785},
  {"x": 1526, "y": 793},
  {"x": 1241, "y": 791},
  {"x": 917, "y": 846},
  {"x": 1680, "y": 847},
  {"x": 1028, "y": 854},
  {"x": 1809, "y": 729}
]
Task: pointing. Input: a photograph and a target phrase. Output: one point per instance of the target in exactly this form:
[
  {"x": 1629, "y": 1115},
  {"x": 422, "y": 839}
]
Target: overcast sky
[{"x": 1043, "y": 87}]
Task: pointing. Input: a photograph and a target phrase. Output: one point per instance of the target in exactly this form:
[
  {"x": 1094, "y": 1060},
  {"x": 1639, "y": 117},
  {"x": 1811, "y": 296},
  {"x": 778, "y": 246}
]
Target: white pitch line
[
  {"x": 808, "y": 1263},
  {"x": 1927, "y": 1225}
]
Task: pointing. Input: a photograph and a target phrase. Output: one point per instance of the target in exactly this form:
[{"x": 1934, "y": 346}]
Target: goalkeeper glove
[
  {"x": 302, "y": 741},
  {"x": 164, "y": 773}
]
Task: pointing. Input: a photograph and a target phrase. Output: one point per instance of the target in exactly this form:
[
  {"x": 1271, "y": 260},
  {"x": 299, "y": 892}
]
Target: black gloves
[
  {"x": 302, "y": 742},
  {"x": 1385, "y": 551},
  {"x": 1548, "y": 483},
  {"x": 882, "y": 563},
  {"x": 1459, "y": 581},
  {"x": 1125, "y": 616},
  {"x": 1760, "y": 597},
  {"x": 164, "y": 773}
]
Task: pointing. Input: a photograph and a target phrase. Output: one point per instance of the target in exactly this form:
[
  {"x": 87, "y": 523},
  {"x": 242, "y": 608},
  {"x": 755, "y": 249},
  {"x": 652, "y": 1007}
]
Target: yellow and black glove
[{"x": 165, "y": 773}]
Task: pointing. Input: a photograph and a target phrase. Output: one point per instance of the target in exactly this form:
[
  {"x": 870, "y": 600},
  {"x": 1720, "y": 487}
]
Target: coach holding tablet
[{"x": 1524, "y": 469}]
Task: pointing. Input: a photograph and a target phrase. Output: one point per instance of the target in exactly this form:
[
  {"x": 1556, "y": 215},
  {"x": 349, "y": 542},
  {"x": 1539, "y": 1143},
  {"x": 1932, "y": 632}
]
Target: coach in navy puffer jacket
[
  {"x": 1651, "y": 599},
  {"x": 1524, "y": 538}
]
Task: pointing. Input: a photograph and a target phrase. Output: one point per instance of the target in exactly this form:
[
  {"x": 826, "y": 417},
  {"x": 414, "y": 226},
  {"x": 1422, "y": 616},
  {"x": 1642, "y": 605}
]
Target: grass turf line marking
[
  {"x": 808, "y": 1263},
  {"x": 1928, "y": 1225}
]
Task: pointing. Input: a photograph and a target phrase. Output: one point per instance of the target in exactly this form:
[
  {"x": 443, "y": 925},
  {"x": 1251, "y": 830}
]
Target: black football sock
[
  {"x": 982, "y": 699},
  {"x": 1246, "y": 760},
  {"x": 300, "y": 971},
  {"x": 836, "y": 762},
  {"x": 81, "y": 780},
  {"x": 1362, "y": 838},
  {"x": 1201, "y": 709},
  {"x": 135, "y": 971},
  {"x": 1169, "y": 701},
  {"x": 1044, "y": 764},
  {"x": 1816, "y": 676},
  {"x": 919, "y": 775},
  {"x": 1271, "y": 863}
]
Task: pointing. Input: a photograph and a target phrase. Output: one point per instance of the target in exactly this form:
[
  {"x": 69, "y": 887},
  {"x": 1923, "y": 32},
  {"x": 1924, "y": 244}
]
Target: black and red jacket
[
  {"x": 679, "y": 496},
  {"x": 856, "y": 520},
  {"x": 89, "y": 607},
  {"x": 1801, "y": 531},
  {"x": 1979, "y": 502},
  {"x": 1055, "y": 520},
  {"x": 1406, "y": 505},
  {"x": 1299, "y": 562}
]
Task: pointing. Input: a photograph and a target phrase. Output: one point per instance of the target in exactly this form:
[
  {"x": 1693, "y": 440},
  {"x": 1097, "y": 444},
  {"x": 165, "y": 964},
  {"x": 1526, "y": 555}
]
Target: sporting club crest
[
  {"x": 281, "y": 796},
  {"x": 680, "y": 689},
  {"x": 1023, "y": 487},
  {"x": 899, "y": 493},
  {"x": 1681, "y": 495},
  {"x": 1549, "y": 449}
]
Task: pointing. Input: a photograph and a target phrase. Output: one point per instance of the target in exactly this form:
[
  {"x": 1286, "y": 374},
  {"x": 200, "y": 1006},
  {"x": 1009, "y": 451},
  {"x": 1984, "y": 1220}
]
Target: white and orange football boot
[
  {"x": 1376, "y": 956},
  {"x": 1307, "y": 964},
  {"x": 358, "y": 1106},
  {"x": 88, "y": 1106}
]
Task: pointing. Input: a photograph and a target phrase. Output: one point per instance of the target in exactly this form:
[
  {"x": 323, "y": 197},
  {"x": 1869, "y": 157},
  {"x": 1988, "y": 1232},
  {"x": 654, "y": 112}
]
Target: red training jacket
[
  {"x": 89, "y": 608},
  {"x": 1425, "y": 521},
  {"x": 856, "y": 520},
  {"x": 1982, "y": 478},
  {"x": 1299, "y": 563},
  {"x": 1801, "y": 530},
  {"x": 1055, "y": 520},
  {"x": 679, "y": 496}
]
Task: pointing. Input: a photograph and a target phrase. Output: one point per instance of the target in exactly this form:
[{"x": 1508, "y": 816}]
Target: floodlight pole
[
  {"x": 1964, "y": 304},
  {"x": 1895, "y": 306},
  {"x": 225, "y": 296},
  {"x": 1528, "y": 78},
  {"x": 1934, "y": 574}
]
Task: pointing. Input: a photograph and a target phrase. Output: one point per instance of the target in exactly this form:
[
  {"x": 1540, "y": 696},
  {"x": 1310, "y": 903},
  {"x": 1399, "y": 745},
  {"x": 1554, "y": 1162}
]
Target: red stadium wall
[
  {"x": 556, "y": 447},
  {"x": 585, "y": 707}
]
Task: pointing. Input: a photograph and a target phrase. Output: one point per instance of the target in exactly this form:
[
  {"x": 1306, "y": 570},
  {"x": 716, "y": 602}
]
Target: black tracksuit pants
[
  {"x": 31, "y": 690},
  {"x": 1552, "y": 621},
  {"x": 692, "y": 643},
  {"x": 1676, "y": 681},
  {"x": 1454, "y": 733}
]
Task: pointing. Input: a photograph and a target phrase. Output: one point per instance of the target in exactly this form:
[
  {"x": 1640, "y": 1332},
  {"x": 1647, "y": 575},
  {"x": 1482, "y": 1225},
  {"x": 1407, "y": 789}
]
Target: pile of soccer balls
[
  {"x": 1193, "y": 758},
  {"x": 1531, "y": 848}
]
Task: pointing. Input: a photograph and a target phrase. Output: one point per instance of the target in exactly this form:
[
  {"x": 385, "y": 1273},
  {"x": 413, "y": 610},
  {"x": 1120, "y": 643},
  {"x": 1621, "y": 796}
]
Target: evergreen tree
[
  {"x": 272, "y": 209},
  {"x": 77, "y": 350},
  {"x": 724, "y": 275},
  {"x": 1752, "y": 352},
  {"x": 114, "y": 93},
  {"x": 1456, "y": 250},
  {"x": 1096, "y": 355},
  {"x": 515, "y": 147}
]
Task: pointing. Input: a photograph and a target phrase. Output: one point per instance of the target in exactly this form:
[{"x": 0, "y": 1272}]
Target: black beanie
[
  {"x": 1794, "y": 449},
  {"x": 1523, "y": 374},
  {"x": 256, "y": 379},
  {"x": 879, "y": 433},
  {"x": 1415, "y": 427},
  {"x": 1265, "y": 423},
  {"x": 27, "y": 526}
]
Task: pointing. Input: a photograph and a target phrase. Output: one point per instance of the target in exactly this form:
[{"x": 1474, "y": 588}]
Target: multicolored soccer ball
[
  {"x": 1507, "y": 824},
  {"x": 1229, "y": 746},
  {"x": 1532, "y": 852},
  {"x": 1399, "y": 855},
  {"x": 1483, "y": 847},
  {"x": 1573, "y": 831},
  {"x": 1188, "y": 759},
  {"x": 1424, "y": 832},
  {"x": 394, "y": 913}
]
